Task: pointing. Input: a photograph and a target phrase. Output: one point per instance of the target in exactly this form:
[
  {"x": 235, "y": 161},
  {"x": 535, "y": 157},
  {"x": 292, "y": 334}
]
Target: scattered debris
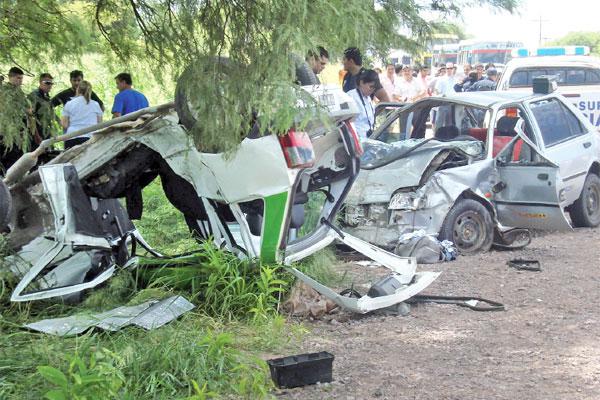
[
  {"x": 302, "y": 369},
  {"x": 425, "y": 248},
  {"x": 462, "y": 301},
  {"x": 149, "y": 315},
  {"x": 525, "y": 265},
  {"x": 304, "y": 301}
]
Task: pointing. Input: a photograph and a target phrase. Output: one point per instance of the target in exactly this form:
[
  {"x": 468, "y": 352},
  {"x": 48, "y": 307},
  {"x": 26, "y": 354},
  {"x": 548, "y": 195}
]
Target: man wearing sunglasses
[{"x": 43, "y": 112}]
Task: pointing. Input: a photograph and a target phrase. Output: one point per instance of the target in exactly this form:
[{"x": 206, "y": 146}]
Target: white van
[{"x": 578, "y": 76}]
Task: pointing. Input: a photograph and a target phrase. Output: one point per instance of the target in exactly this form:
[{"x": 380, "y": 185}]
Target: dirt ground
[{"x": 546, "y": 345}]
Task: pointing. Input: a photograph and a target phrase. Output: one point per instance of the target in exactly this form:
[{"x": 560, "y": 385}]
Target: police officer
[{"x": 486, "y": 84}]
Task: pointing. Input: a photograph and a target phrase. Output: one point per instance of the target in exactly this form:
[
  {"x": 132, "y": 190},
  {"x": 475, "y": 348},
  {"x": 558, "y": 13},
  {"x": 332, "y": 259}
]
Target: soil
[{"x": 546, "y": 345}]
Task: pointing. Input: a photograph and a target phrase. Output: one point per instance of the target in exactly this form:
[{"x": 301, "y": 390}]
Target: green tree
[
  {"x": 590, "y": 39},
  {"x": 259, "y": 37}
]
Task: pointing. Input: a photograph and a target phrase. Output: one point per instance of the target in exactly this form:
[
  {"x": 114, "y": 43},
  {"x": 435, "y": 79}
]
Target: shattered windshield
[
  {"x": 377, "y": 154},
  {"x": 428, "y": 124}
]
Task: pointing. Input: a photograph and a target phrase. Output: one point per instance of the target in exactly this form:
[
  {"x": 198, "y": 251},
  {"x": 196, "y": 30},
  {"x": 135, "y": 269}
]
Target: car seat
[
  {"x": 448, "y": 132},
  {"x": 504, "y": 132}
]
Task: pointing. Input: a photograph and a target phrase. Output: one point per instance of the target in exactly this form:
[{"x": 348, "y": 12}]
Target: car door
[
  {"x": 567, "y": 142},
  {"x": 525, "y": 189}
]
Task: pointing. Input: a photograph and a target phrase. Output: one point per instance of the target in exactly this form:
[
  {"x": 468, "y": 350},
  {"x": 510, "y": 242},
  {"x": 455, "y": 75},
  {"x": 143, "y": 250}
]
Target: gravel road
[{"x": 546, "y": 345}]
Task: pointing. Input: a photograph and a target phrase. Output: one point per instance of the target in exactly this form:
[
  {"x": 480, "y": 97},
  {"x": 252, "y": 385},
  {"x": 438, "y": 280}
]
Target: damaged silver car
[{"x": 477, "y": 169}]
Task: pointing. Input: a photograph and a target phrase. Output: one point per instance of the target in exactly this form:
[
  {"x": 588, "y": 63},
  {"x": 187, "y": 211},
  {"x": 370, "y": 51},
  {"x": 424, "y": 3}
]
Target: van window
[
  {"x": 592, "y": 77},
  {"x": 523, "y": 77},
  {"x": 556, "y": 122},
  {"x": 575, "y": 77}
]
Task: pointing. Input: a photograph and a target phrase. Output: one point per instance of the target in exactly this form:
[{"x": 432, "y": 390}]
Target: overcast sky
[{"x": 558, "y": 18}]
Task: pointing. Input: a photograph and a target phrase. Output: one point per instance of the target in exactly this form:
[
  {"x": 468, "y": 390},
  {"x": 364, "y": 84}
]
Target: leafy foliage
[
  {"x": 259, "y": 37},
  {"x": 591, "y": 39}
]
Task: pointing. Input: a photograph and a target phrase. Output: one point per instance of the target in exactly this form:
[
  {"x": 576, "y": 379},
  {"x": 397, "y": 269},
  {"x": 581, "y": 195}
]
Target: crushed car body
[
  {"x": 477, "y": 169},
  {"x": 70, "y": 233}
]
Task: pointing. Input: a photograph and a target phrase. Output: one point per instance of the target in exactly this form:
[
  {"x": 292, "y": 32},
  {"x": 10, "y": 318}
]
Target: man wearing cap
[
  {"x": 445, "y": 85},
  {"x": 486, "y": 84},
  {"x": 408, "y": 89}
]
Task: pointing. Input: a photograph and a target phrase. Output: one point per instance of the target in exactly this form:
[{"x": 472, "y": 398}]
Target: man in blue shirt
[{"x": 127, "y": 100}]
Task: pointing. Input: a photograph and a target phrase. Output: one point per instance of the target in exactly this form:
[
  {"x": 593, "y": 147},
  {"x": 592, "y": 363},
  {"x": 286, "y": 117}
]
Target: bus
[
  {"x": 445, "y": 53},
  {"x": 484, "y": 52}
]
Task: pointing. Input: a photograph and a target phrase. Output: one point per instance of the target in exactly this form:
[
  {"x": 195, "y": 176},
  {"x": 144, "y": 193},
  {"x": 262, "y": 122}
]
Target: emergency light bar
[{"x": 551, "y": 51}]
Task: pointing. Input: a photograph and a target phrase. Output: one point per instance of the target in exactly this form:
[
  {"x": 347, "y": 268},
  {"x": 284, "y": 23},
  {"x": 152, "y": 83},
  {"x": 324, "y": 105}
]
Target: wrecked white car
[
  {"x": 472, "y": 167},
  {"x": 70, "y": 233}
]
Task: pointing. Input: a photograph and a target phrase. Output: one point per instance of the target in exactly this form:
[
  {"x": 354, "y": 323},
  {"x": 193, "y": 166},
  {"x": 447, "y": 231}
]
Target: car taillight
[
  {"x": 357, "y": 147},
  {"x": 297, "y": 149}
]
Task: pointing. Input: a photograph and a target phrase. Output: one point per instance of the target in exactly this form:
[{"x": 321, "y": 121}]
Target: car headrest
[
  {"x": 506, "y": 126},
  {"x": 446, "y": 132}
]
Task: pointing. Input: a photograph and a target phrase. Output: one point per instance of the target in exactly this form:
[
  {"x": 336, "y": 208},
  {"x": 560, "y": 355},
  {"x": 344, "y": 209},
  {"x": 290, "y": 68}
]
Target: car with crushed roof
[{"x": 477, "y": 169}]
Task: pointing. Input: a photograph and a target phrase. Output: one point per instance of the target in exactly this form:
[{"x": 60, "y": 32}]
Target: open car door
[{"x": 526, "y": 194}]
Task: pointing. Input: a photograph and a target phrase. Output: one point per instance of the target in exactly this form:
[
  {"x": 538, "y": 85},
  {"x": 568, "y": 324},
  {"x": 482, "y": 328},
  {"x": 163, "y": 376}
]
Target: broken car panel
[{"x": 250, "y": 202}]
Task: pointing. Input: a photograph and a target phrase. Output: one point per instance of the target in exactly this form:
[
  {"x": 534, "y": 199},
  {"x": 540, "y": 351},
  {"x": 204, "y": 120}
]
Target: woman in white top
[
  {"x": 365, "y": 87},
  {"x": 80, "y": 112}
]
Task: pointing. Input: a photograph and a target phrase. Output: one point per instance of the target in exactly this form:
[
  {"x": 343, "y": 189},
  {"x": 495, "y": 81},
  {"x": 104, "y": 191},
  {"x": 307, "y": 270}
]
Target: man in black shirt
[
  {"x": 66, "y": 95},
  {"x": 353, "y": 65},
  {"x": 41, "y": 107}
]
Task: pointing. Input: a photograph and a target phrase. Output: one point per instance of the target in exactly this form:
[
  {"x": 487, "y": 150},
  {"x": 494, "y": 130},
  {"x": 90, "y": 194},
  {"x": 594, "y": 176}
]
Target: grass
[{"x": 215, "y": 351}]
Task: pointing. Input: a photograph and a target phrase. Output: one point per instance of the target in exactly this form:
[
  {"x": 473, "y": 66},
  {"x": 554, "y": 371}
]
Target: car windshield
[
  {"x": 436, "y": 119},
  {"x": 423, "y": 125}
]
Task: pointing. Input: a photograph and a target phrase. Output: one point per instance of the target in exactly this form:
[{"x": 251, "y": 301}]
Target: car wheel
[
  {"x": 585, "y": 212},
  {"x": 5, "y": 206},
  {"x": 469, "y": 226}
]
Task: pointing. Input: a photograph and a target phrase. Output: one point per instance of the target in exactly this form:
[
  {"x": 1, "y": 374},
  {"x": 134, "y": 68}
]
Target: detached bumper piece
[{"x": 402, "y": 283}]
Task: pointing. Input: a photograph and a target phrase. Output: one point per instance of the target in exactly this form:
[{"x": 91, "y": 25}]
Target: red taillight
[
  {"x": 357, "y": 147},
  {"x": 297, "y": 149}
]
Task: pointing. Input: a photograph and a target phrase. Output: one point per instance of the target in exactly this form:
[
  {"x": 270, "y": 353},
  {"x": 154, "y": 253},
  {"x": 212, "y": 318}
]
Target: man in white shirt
[
  {"x": 445, "y": 86},
  {"x": 409, "y": 89},
  {"x": 389, "y": 80}
]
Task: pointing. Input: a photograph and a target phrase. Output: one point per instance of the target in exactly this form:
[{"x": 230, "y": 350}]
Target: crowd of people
[
  {"x": 34, "y": 117},
  {"x": 403, "y": 83}
]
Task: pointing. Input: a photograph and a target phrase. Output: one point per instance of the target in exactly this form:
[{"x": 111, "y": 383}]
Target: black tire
[
  {"x": 585, "y": 211},
  {"x": 469, "y": 226},
  {"x": 5, "y": 206}
]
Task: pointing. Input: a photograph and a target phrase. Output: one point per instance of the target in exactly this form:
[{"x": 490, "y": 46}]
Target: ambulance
[{"x": 577, "y": 74}]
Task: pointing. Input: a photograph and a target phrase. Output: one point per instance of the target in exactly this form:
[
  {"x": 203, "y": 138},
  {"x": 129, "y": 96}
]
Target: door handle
[
  {"x": 587, "y": 144},
  {"x": 543, "y": 177}
]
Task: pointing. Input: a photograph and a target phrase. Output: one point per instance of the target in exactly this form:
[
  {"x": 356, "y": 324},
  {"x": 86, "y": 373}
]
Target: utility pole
[{"x": 540, "y": 20}]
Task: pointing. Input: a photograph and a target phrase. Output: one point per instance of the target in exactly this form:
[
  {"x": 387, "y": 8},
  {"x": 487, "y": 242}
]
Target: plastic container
[{"x": 301, "y": 369}]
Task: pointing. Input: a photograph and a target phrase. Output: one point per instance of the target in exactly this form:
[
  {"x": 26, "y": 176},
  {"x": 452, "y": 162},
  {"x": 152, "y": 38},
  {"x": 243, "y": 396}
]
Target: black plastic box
[{"x": 302, "y": 369}]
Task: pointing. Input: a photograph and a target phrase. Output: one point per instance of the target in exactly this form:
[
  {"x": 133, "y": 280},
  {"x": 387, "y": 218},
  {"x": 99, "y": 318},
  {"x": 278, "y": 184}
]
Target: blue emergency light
[{"x": 551, "y": 51}]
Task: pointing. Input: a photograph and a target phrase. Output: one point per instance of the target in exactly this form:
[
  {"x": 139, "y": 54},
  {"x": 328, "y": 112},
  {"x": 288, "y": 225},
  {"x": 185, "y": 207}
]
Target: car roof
[
  {"x": 555, "y": 61},
  {"x": 487, "y": 98}
]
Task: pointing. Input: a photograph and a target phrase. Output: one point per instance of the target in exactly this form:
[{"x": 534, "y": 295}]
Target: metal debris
[{"x": 149, "y": 315}]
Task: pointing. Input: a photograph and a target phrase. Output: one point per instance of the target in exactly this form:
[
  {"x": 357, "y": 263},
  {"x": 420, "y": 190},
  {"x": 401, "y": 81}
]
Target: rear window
[{"x": 523, "y": 77}]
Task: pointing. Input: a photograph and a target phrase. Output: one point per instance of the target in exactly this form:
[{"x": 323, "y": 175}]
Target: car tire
[
  {"x": 585, "y": 211},
  {"x": 5, "y": 206},
  {"x": 469, "y": 226}
]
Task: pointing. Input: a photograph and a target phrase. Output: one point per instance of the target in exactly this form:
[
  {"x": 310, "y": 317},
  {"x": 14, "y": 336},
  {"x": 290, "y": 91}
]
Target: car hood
[{"x": 385, "y": 168}]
